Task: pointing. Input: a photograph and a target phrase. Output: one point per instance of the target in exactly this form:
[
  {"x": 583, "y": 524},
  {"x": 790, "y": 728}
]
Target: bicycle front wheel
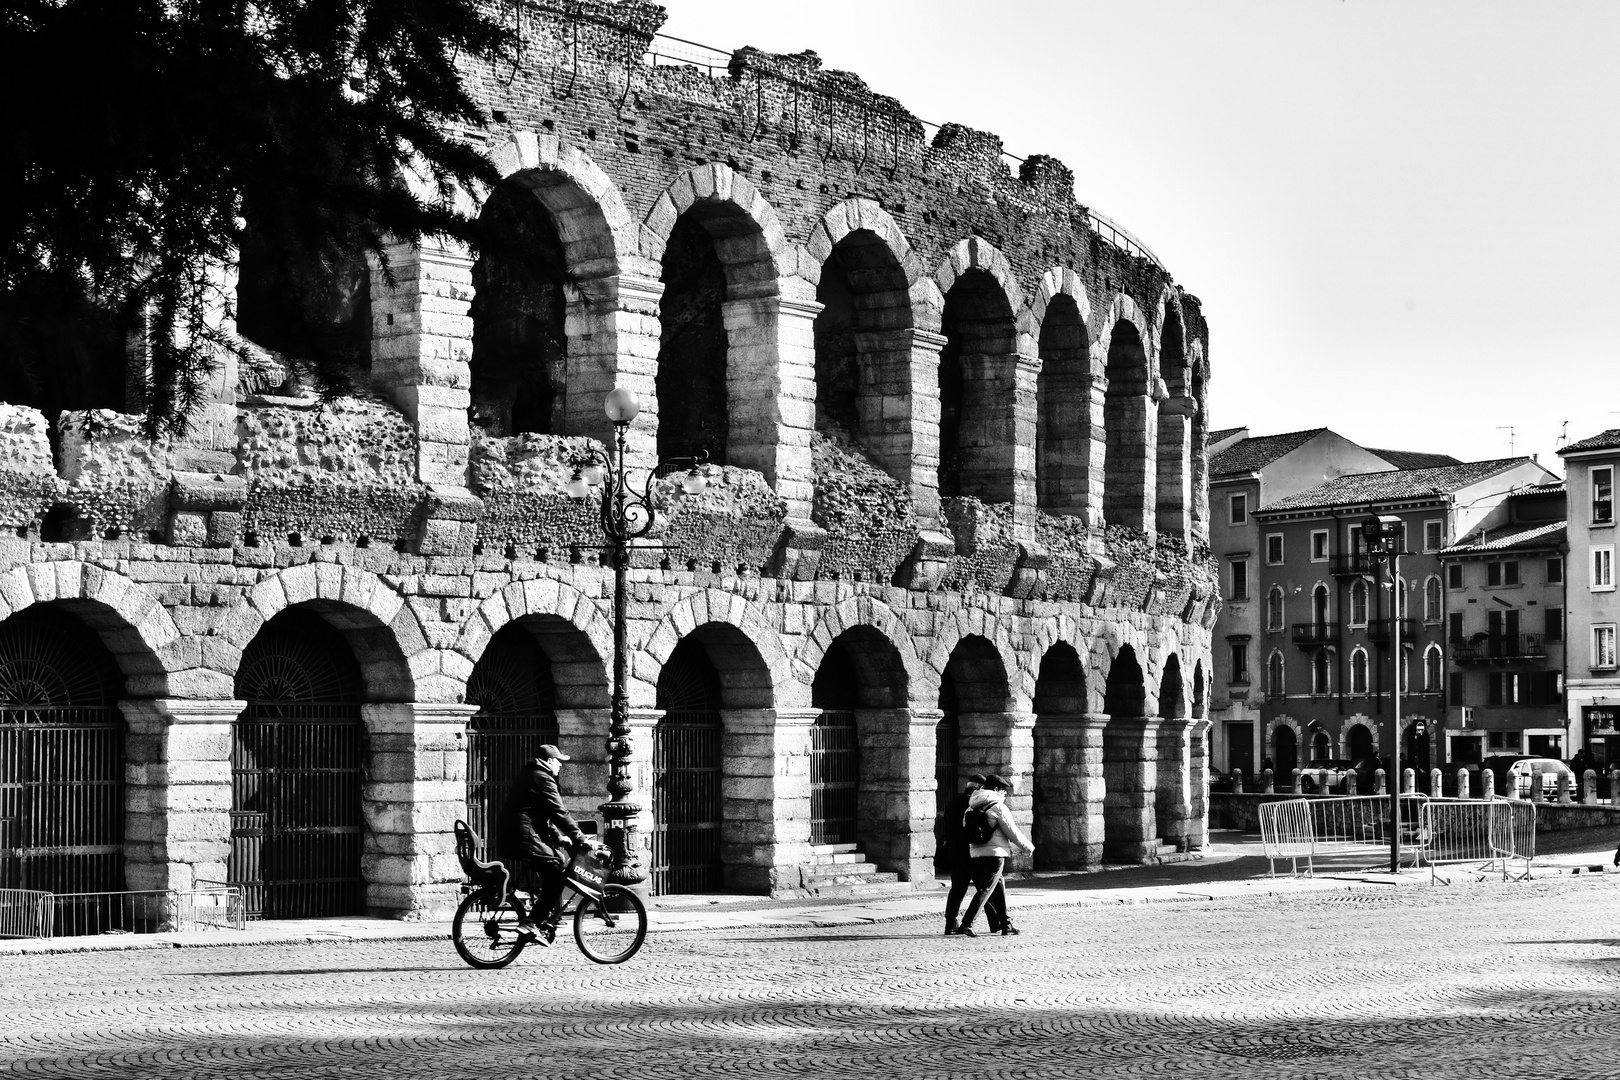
[
  {"x": 610, "y": 930},
  {"x": 485, "y": 931}
]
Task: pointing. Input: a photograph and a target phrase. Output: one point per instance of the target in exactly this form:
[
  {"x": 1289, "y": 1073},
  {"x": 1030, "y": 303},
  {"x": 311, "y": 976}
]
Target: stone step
[
  {"x": 849, "y": 869},
  {"x": 882, "y": 884},
  {"x": 836, "y": 858},
  {"x": 833, "y": 849}
]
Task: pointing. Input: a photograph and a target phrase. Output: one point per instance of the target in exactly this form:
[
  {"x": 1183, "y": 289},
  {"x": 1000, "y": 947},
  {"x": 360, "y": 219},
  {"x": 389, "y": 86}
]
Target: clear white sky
[{"x": 1403, "y": 216}]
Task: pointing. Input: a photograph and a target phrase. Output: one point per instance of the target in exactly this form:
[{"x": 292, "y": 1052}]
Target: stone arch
[
  {"x": 1066, "y": 423},
  {"x": 864, "y": 269},
  {"x": 976, "y": 622},
  {"x": 1174, "y": 449},
  {"x": 1130, "y": 437},
  {"x": 978, "y": 373},
  {"x": 575, "y": 631},
  {"x": 389, "y": 644},
  {"x": 596, "y": 227},
  {"x": 726, "y": 265},
  {"x": 1067, "y": 793},
  {"x": 136, "y": 629},
  {"x": 1278, "y": 747},
  {"x": 706, "y": 606},
  {"x": 1125, "y": 688},
  {"x": 862, "y": 611}
]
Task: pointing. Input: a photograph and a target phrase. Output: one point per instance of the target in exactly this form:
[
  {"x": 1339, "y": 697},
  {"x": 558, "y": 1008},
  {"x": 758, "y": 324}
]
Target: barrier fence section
[
  {"x": 1305, "y": 829},
  {"x": 1494, "y": 835},
  {"x": 31, "y": 914},
  {"x": 25, "y": 913}
]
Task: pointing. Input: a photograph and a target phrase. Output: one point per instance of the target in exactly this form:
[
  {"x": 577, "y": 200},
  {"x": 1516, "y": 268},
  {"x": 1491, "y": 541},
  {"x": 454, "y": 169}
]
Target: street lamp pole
[
  {"x": 627, "y": 514},
  {"x": 1383, "y": 538}
]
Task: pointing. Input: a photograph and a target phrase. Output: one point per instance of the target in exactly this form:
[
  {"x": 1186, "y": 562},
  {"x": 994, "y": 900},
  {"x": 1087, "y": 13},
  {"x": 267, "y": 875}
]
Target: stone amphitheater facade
[{"x": 958, "y": 500}]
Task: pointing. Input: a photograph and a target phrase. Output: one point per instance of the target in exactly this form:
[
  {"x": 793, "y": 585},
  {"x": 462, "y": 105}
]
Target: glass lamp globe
[
  {"x": 622, "y": 406},
  {"x": 593, "y": 474},
  {"x": 694, "y": 482},
  {"x": 577, "y": 487}
]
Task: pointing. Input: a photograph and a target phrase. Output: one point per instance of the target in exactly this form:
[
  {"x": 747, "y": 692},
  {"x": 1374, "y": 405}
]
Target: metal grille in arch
[
  {"x": 513, "y": 688},
  {"x": 687, "y": 770}
]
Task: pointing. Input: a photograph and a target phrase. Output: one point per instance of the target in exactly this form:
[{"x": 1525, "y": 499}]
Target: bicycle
[{"x": 610, "y": 921}]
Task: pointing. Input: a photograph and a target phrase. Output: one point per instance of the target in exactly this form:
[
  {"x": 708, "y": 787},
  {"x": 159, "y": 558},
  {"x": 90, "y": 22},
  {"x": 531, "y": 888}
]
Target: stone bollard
[
  {"x": 1408, "y": 781},
  {"x": 1297, "y": 774},
  {"x": 1462, "y": 783},
  {"x": 1566, "y": 789},
  {"x": 1614, "y": 787},
  {"x": 1535, "y": 787},
  {"x": 1487, "y": 784},
  {"x": 1269, "y": 782},
  {"x": 1350, "y": 784},
  {"x": 1322, "y": 782},
  {"x": 1437, "y": 784},
  {"x": 1378, "y": 783},
  {"x": 1237, "y": 781},
  {"x": 1589, "y": 787}
]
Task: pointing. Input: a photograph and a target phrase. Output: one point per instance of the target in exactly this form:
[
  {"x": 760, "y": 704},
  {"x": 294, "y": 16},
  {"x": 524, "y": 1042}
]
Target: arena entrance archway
[
  {"x": 688, "y": 765},
  {"x": 297, "y": 764},
  {"x": 512, "y": 686}
]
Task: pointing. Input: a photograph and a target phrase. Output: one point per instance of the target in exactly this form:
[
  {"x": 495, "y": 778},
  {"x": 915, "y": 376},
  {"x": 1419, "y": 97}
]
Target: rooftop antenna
[
  {"x": 1509, "y": 429},
  {"x": 1563, "y": 434}
]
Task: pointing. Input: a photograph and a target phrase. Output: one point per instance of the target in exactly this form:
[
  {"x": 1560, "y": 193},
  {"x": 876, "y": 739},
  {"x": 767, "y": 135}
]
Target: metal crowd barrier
[
  {"x": 25, "y": 913},
  {"x": 1307, "y": 829},
  {"x": 1494, "y": 835},
  {"x": 28, "y": 913}
]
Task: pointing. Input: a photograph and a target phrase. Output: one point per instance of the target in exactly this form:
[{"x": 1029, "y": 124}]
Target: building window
[
  {"x": 1504, "y": 740},
  {"x": 1274, "y": 608},
  {"x": 1454, "y": 576},
  {"x": 1555, "y": 571},
  {"x": 1603, "y": 647},
  {"x": 1554, "y": 628},
  {"x": 1406, "y": 673},
  {"x": 1504, "y": 688},
  {"x": 1319, "y": 605},
  {"x": 1510, "y": 572},
  {"x": 1456, "y": 694},
  {"x": 1358, "y": 603},
  {"x": 1431, "y": 669},
  {"x": 1274, "y": 675},
  {"x": 1320, "y": 668},
  {"x": 1434, "y": 535},
  {"x": 1603, "y": 495},
  {"x": 1603, "y": 568},
  {"x": 1274, "y": 549},
  {"x": 1240, "y": 579},
  {"x": 1454, "y": 628},
  {"x": 1240, "y": 661},
  {"x": 1240, "y": 509},
  {"x": 1431, "y": 600},
  {"x": 1319, "y": 545},
  {"x": 1358, "y": 671}
]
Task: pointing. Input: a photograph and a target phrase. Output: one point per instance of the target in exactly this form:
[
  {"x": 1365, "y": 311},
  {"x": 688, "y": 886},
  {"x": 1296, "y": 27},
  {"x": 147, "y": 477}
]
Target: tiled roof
[
  {"x": 1414, "y": 459},
  {"x": 1397, "y": 484},
  {"x": 1223, "y": 434},
  {"x": 1608, "y": 440},
  {"x": 1518, "y": 536},
  {"x": 1555, "y": 488},
  {"x": 1251, "y": 455}
]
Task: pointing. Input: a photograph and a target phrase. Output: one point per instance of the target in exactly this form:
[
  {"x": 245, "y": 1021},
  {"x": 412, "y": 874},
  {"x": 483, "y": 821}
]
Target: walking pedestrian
[
  {"x": 952, "y": 856},
  {"x": 989, "y": 857}
]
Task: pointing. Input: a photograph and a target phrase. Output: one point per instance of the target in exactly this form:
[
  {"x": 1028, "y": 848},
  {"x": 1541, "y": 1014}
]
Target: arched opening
[
  {"x": 1200, "y": 441},
  {"x": 1319, "y": 606},
  {"x": 1172, "y": 696},
  {"x": 520, "y": 348},
  {"x": 1129, "y": 445},
  {"x": 1358, "y": 602},
  {"x": 517, "y": 701},
  {"x": 1321, "y": 668},
  {"x": 693, "y": 406},
  {"x": 713, "y": 672},
  {"x": 1285, "y": 749},
  {"x": 1172, "y": 454},
  {"x": 976, "y": 391},
  {"x": 1125, "y": 693},
  {"x": 1361, "y": 746},
  {"x": 835, "y": 753},
  {"x": 1067, "y": 793},
  {"x": 1432, "y": 602},
  {"x": 1274, "y": 608},
  {"x": 972, "y": 734},
  {"x": 1321, "y": 747},
  {"x": 1173, "y": 785},
  {"x": 1063, "y": 428},
  {"x": 1274, "y": 676},
  {"x": 297, "y": 765},
  {"x": 1358, "y": 671},
  {"x": 1130, "y": 763},
  {"x": 858, "y": 350},
  {"x": 1431, "y": 669},
  {"x": 61, "y": 765}
]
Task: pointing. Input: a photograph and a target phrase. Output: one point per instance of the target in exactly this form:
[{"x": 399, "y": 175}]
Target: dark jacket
[
  {"x": 953, "y": 843},
  {"x": 533, "y": 819}
]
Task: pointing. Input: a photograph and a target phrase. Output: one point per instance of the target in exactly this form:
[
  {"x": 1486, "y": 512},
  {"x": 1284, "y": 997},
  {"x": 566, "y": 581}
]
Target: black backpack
[{"x": 977, "y": 826}]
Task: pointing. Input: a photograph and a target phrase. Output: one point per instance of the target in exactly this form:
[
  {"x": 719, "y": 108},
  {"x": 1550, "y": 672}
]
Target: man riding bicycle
[{"x": 537, "y": 834}]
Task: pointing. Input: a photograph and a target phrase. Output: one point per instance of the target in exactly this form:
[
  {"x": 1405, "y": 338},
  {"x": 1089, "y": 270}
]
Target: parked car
[
  {"x": 1523, "y": 773},
  {"x": 1338, "y": 771}
]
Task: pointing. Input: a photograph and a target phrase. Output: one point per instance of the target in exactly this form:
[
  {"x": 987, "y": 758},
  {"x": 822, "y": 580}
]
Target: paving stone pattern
[{"x": 1485, "y": 981}]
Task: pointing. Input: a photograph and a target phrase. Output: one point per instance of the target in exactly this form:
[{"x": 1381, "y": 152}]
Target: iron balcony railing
[
  {"x": 1309, "y": 635},
  {"x": 1356, "y": 564},
  {"x": 1500, "y": 647},
  {"x": 1380, "y": 629}
]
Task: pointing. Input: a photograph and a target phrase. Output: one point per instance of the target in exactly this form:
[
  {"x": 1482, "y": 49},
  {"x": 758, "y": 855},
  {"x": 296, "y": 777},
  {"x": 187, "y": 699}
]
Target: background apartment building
[{"x": 1593, "y": 675}]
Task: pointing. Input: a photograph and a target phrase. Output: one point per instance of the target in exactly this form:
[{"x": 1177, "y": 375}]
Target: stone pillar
[
  {"x": 1487, "y": 784},
  {"x": 985, "y": 429},
  {"x": 899, "y": 409},
  {"x": 1198, "y": 768},
  {"x": 1269, "y": 786},
  {"x": 1130, "y": 770},
  {"x": 895, "y": 808},
  {"x": 1092, "y": 492},
  {"x": 421, "y": 348},
  {"x": 415, "y": 789},
  {"x": 1462, "y": 784},
  {"x": 1436, "y": 783},
  {"x": 1068, "y": 790},
  {"x": 765, "y": 790},
  {"x": 582, "y": 735},
  {"x": 1026, "y": 373},
  {"x": 612, "y": 331},
  {"x": 1566, "y": 789},
  {"x": 1589, "y": 795},
  {"x": 1173, "y": 792},
  {"x": 771, "y": 391},
  {"x": 1380, "y": 782},
  {"x": 177, "y": 791}
]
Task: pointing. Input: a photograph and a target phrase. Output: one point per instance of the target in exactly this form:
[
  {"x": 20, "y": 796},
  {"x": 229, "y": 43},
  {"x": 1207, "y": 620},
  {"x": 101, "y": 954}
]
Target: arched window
[
  {"x": 1321, "y": 667},
  {"x": 1406, "y": 674},
  {"x": 1358, "y": 671},
  {"x": 1358, "y": 603},
  {"x": 1431, "y": 670},
  {"x": 1321, "y": 747},
  {"x": 1400, "y": 598},
  {"x": 1274, "y": 608},
  {"x": 1274, "y": 675},
  {"x": 1319, "y": 605},
  {"x": 1431, "y": 599}
]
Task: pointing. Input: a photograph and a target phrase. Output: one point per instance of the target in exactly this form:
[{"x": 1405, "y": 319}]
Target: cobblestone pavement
[{"x": 1489, "y": 980}]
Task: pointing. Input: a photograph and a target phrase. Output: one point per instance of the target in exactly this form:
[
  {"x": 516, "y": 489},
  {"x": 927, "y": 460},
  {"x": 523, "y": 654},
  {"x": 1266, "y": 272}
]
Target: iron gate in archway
[
  {"x": 687, "y": 770},
  {"x": 512, "y": 686},
  {"x": 61, "y": 760},
  {"x": 835, "y": 777},
  {"x": 298, "y": 754}
]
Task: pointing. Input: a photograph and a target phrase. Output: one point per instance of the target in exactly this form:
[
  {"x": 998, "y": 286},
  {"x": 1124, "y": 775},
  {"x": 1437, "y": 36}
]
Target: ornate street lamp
[
  {"x": 1383, "y": 536},
  {"x": 627, "y": 514}
]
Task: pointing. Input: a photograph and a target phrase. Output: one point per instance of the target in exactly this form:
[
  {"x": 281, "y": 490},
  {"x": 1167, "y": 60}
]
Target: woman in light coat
[{"x": 989, "y": 859}]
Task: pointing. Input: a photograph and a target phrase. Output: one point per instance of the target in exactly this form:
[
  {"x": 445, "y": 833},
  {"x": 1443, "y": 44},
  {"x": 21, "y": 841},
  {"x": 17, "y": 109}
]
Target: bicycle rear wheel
[
  {"x": 610, "y": 930},
  {"x": 485, "y": 931}
]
